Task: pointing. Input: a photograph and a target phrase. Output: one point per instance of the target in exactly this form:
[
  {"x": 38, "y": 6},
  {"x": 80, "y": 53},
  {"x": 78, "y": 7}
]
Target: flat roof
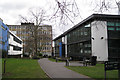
[{"x": 90, "y": 18}]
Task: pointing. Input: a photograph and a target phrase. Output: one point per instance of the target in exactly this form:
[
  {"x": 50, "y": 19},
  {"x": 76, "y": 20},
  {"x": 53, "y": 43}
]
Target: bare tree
[
  {"x": 65, "y": 11},
  {"x": 105, "y": 5},
  {"x": 34, "y": 31}
]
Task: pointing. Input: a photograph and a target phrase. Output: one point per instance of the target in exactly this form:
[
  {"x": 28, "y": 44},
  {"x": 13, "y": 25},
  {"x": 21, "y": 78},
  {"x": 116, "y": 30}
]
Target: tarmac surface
[{"x": 57, "y": 70}]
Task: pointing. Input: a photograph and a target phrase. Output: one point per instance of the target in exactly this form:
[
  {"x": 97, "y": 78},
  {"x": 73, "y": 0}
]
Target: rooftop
[{"x": 88, "y": 19}]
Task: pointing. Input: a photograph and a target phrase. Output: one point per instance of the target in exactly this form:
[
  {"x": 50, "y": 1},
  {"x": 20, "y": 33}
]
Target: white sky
[{"x": 11, "y": 9}]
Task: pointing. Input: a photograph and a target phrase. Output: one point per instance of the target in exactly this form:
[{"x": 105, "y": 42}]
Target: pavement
[{"x": 57, "y": 70}]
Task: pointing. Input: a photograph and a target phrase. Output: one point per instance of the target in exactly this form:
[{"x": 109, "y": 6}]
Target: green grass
[
  {"x": 54, "y": 60},
  {"x": 51, "y": 59},
  {"x": 23, "y": 68},
  {"x": 94, "y": 71}
]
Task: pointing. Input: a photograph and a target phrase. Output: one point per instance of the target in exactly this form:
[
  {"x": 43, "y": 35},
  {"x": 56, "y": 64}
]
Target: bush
[
  {"x": 35, "y": 57},
  {"x": 40, "y": 54}
]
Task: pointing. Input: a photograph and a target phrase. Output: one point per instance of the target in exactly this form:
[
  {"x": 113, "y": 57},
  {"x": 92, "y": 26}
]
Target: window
[
  {"x": 118, "y": 28},
  {"x": 81, "y": 50},
  {"x": 17, "y": 40},
  {"x": 85, "y": 33},
  {"x": 16, "y": 48},
  {"x": 89, "y": 51},
  {"x": 87, "y": 25},
  {"x": 117, "y": 24},
  {"x": 89, "y": 45},
  {"x": 86, "y": 51},
  {"x": 111, "y": 28},
  {"x": 81, "y": 33},
  {"x": 81, "y": 44},
  {"x": 110, "y": 23}
]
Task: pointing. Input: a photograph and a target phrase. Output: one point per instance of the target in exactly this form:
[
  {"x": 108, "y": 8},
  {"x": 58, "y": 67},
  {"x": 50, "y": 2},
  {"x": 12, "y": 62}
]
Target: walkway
[{"x": 57, "y": 70}]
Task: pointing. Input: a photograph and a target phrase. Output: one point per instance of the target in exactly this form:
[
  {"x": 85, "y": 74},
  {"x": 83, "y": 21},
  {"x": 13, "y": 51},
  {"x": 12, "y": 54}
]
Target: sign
[{"x": 111, "y": 65}]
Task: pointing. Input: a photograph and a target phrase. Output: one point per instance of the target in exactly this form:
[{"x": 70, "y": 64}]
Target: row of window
[
  {"x": 58, "y": 41},
  {"x": 114, "y": 28},
  {"x": 45, "y": 43},
  {"x": 81, "y": 32},
  {"x": 79, "y": 48},
  {"x": 17, "y": 40},
  {"x": 46, "y": 48},
  {"x": 113, "y": 24},
  {"x": 16, "y": 48}
]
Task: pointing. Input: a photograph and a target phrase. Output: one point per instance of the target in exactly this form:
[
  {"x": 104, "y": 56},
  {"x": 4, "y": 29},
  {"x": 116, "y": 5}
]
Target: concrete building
[
  {"x": 15, "y": 48},
  {"x": 98, "y": 35},
  {"x": 44, "y": 33}
]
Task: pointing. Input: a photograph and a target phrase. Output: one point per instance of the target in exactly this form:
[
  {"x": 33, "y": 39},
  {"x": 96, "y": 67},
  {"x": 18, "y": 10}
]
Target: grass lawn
[
  {"x": 23, "y": 68},
  {"x": 54, "y": 60},
  {"x": 94, "y": 71}
]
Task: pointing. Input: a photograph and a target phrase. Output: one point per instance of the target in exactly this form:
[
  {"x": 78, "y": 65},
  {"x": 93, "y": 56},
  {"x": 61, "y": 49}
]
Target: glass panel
[
  {"x": 81, "y": 50},
  {"x": 118, "y": 29},
  {"x": 117, "y": 24},
  {"x": 85, "y": 33},
  {"x": 81, "y": 33},
  {"x": 87, "y": 25},
  {"x": 111, "y": 28},
  {"x": 110, "y": 23}
]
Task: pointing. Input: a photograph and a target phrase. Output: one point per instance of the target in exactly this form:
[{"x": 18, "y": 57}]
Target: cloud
[{"x": 7, "y": 7}]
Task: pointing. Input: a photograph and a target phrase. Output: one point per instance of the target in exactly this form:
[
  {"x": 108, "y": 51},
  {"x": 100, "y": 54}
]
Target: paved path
[{"x": 57, "y": 70}]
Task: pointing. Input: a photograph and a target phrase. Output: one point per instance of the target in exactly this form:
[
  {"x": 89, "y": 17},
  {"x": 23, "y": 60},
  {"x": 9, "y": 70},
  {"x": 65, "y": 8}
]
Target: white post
[{"x": 66, "y": 46}]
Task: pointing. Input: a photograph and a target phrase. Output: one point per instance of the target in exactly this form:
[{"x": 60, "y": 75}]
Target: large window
[
  {"x": 16, "y": 48},
  {"x": 17, "y": 40},
  {"x": 81, "y": 33},
  {"x": 111, "y": 28},
  {"x": 113, "y": 40},
  {"x": 110, "y": 24}
]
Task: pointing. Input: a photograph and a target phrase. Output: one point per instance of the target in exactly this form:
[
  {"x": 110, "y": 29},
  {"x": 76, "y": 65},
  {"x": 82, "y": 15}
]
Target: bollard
[
  {"x": 56, "y": 60},
  {"x": 67, "y": 62},
  {"x": 4, "y": 65},
  {"x": 119, "y": 69}
]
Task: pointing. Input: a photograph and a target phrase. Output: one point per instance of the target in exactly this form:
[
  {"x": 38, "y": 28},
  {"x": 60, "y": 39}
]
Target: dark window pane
[{"x": 110, "y": 23}]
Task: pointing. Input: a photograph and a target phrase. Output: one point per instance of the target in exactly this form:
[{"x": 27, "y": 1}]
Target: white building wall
[
  {"x": 99, "y": 45},
  {"x": 65, "y": 45},
  {"x": 12, "y": 42}
]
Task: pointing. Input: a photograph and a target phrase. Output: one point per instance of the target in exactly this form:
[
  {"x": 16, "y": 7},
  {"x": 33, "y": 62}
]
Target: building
[
  {"x": 3, "y": 39},
  {"x": 24, "y": 31},
  {"x": 98, "y": 35},
  {"x": 10, "y": 44},
  {"x": 15, "y": 45}
]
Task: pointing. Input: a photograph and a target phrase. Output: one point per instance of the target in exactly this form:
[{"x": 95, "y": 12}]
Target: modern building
[
  {"x": 98, "y": 35},
  {"x": 44, "y": 33},
  {"x": 3, "y": 39},
  {"x": 15, "y": 45},
  {"x": 10, "y": 44}
]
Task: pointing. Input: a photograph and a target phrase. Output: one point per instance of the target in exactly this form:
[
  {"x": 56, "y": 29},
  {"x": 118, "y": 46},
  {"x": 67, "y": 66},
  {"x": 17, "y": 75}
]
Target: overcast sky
[{"x": 11, "y": 9}]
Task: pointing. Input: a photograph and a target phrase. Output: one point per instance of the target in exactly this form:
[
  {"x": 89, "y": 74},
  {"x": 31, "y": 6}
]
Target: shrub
[
  {"x": 40, "y": 54},
  {"x": 35, "y": 57}
]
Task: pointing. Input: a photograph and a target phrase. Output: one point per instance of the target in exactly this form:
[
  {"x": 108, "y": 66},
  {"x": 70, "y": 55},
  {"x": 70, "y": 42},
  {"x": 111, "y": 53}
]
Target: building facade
[
  {"x": 3, "y": 39},
  {"x": 9, "y": 42},
  {"x": 15, "y": 48},
  {"x": 98, "y": 35},
  {"x": 44, "y": 37}
]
